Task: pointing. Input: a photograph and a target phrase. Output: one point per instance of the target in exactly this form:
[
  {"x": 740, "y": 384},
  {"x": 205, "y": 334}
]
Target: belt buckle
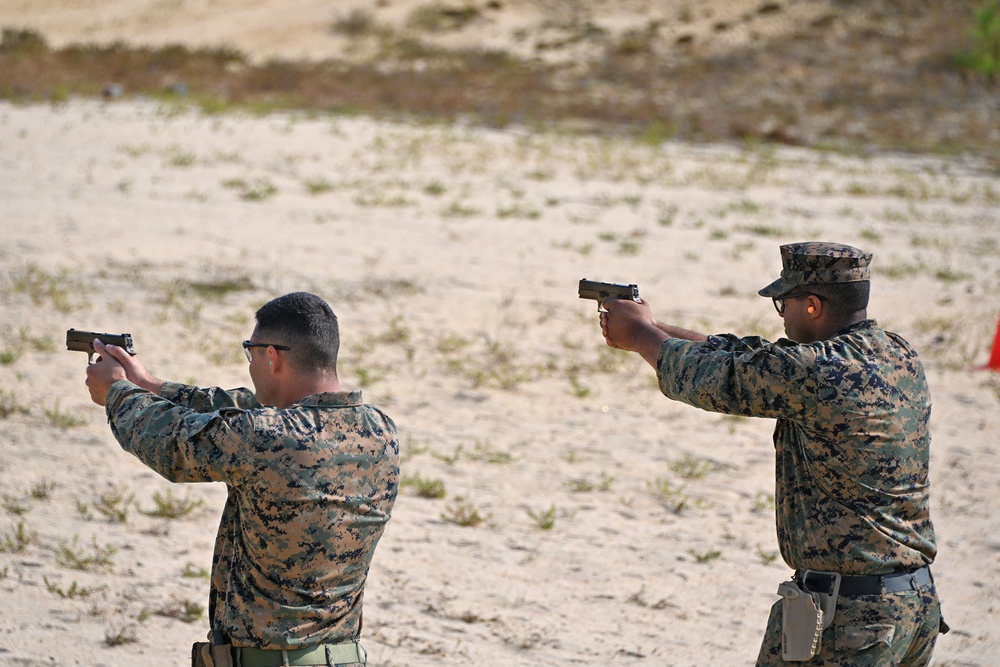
[{"x": 833, "y": 582}]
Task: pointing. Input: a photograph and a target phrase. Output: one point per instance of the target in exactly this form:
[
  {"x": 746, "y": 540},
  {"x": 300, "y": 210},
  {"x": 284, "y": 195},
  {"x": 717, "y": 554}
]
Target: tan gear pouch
[
  {"x": 801, "y": 622},
  {"x": 204, "y": 654}
]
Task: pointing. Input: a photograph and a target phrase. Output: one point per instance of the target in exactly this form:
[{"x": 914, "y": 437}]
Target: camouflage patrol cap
[{"x": 815, "y": 262}]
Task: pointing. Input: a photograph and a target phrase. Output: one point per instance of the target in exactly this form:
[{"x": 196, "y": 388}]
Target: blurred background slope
[{"x": 892, "y": 74}]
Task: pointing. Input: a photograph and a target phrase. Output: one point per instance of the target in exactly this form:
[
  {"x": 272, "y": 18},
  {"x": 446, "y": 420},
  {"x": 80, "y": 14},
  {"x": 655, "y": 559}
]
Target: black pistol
[
  {"x": 598, "y": 291},
  {"x": 83, "y": 341}
]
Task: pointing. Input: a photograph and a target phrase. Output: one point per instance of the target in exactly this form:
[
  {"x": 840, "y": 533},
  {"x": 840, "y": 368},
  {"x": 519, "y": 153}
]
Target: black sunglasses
[
  {"x": 779, "y": 301},
  {"x": 247, "y": 345}
]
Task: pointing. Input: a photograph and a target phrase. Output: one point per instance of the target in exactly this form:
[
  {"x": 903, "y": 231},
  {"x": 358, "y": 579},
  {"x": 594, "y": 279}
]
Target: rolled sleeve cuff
[
  {"x": 171, "y": 390},
  {"x": 115, "y": 394}
]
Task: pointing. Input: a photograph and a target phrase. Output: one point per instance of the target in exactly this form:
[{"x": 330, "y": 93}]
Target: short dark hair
[
  {"x": 306, "y": 324},
  {"x": 843, "y": 299}
]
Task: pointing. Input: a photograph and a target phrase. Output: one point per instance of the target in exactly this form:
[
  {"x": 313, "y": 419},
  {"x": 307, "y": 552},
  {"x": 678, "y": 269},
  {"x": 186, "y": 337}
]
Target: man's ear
[
  {"x": 274, "y": 360},
  {"x": 814, "y": 306}
]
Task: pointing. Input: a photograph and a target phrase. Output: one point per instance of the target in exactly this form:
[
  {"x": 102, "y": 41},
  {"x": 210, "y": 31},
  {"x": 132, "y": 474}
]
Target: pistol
[
  {"x": 83, "y": 341},
  {"x": 592, "y": 289}
]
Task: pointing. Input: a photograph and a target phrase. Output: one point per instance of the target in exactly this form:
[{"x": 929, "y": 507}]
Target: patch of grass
[
  {"x": 356, "y": 23},
  {"x": 984, "y": 58},
  {"x": 114, "y": 504},
  {"x": 461, "y": 513},
  {"x": 586, "y": 485},
  {"x": 424, "y": 487},
  {"x": 518, "y": 211},
  {"x": 579, "y": 389},
  {"x": 180, "y": 158},
  {"x": 498, "y": 367},
  {"x": 435, "y": 188},
  {"x": 255, "y": 190},
  {"x": 459, "y": 210},
  {"x": 17, "y": 541},
  {"x": 318, "y": 186},
  {"x": 639, "y": 598},
  {"x": 672, "y": 497},
  {"x": 61, "y": 419},
  {"x": 42, "y": 490},
  {"x": 544, "y": 519},
  {"x": 70, "y": 556},
  {"x": 14, "y": 505},
  {"x": 705, "y": 556},
  {"x": 763, "y": 502},
  {"x": 440, "y": 17},
  {"x": 42, "y": 287},
  {"x": 218, "y": 288},
  {"x": 367, "y": 377},
  {"x": 169, "y": 506},
  {"x": 74, "y": 590},
  {"x": 120, "y": 632},
  {"x": 766, "y": 557},
  {"x": 692, "y": 467},
  {"x": 185, "y": 611},
  {"x": 192, "y": 571},
  {"x": 488, "y": 454},
  {"x": 381, "y": 200},
  {"x": 948, "y": 275}
]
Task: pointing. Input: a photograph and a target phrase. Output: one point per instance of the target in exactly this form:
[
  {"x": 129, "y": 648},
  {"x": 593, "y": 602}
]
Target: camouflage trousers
[{"x": 892, "y": 630}]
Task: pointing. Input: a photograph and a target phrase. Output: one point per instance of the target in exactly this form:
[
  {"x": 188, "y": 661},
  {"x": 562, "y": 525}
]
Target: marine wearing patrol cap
[{"x": 814, "y": 263}]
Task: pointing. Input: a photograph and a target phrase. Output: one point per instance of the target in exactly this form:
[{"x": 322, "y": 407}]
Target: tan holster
[{"x": 205, "y": 654}]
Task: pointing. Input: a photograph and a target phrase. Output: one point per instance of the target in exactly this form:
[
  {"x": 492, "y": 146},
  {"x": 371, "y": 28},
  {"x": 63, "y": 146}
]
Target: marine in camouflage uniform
[
  {"x": 311, "y": 483},
  {"x": 851, "y": 441}
]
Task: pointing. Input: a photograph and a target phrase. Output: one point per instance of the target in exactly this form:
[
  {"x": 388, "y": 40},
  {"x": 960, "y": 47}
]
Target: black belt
[{"x": 823, "y": 582}]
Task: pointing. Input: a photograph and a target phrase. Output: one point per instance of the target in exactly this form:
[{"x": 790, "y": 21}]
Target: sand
[{"x": 618, "y": 527}]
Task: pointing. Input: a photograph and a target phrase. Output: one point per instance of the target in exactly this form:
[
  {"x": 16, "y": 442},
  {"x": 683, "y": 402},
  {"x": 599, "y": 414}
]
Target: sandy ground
[{"x": 452, "y": 256}]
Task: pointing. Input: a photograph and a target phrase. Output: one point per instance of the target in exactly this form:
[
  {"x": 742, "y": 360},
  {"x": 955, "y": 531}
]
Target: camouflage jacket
[
  {"x": 311, "y": 488},
  {"x": 851, "y": 439}
]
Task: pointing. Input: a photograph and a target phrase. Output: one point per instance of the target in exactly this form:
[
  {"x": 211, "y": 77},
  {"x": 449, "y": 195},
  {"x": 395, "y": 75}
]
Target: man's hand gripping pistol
[
  {"x": 83, "y": 341},
  {"x": 591, "y": 289}
]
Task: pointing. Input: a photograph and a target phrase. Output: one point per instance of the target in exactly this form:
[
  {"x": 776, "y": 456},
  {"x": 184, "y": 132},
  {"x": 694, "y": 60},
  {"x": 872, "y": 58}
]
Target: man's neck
[{"x": 306, "y": 386}]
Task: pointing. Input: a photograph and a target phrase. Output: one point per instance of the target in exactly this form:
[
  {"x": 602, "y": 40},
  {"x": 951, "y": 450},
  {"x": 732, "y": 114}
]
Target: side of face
[
  {"x": 259, "y": 374},
  {"x": 802, "y": 319}
]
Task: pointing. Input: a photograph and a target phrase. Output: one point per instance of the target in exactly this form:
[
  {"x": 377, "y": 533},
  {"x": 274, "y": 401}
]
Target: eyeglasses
[
  {"x": 779, "y": 301},
  {"x": 247, "y": 345}
]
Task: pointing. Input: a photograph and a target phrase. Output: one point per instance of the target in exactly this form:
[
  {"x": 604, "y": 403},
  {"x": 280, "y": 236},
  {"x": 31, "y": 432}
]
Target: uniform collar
[{"x": 333, "y": 399}]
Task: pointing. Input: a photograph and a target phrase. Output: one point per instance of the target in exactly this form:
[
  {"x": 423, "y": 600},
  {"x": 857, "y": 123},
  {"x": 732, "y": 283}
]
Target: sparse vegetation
[
  {"x": 424, "y": 487},
  {"x": 74, "y": 591},
  {"x": 461, "y": 513},
  {"x": 71, "y": 556},
  {"x": 926, "y": 50},
  {"x": 183, "y": 610},
  {"x": 192, "y": 571},
  {"x": 984, "y": 58},
  {"x": 544, "y": 519},
  {"x": 18, "y": 540},
  {"x": 113, "y": 505},
  {"x": 672, "y": 497},
  {"x": 61, "y": 419},
  {"x": 705, "y": 556},
  {"x": 168, "y": 506}
]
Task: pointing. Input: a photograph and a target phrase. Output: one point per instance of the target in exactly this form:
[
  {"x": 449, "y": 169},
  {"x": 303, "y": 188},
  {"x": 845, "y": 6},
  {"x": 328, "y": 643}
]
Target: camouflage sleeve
[
  {"x": 744, "y": 376},
  {"x": 208, "y": 399},
  {"x": 177, "y": 442}
]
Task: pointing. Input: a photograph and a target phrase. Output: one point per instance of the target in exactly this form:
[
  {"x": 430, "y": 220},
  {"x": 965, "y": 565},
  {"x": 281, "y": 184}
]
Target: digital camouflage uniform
[
  {"x": 311, "y": 488},
  {"x": 852, "y": 450}
]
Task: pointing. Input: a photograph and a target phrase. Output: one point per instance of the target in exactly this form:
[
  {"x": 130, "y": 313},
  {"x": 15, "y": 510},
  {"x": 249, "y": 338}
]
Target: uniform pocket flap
[{"x": 858, "y": 637}]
